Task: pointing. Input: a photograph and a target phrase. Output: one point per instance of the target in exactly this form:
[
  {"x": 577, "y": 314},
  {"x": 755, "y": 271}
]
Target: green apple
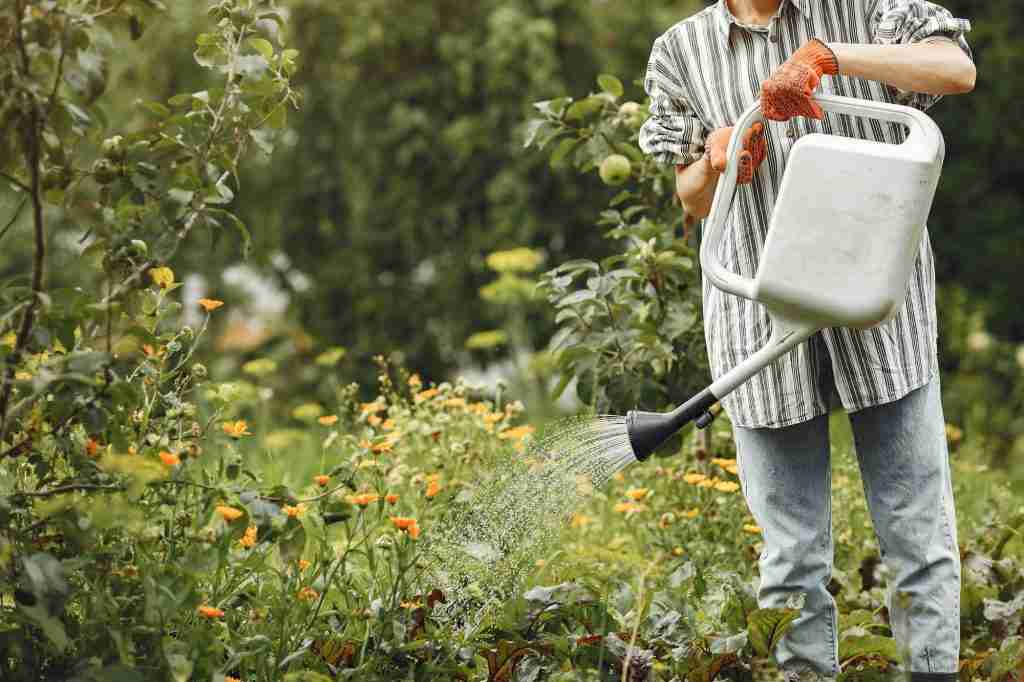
[{"x": 615, "y": 170}]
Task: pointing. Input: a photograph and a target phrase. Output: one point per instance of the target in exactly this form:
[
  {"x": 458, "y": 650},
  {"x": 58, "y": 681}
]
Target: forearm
[
  {"x": 933, "y": 68},
  {"x": 695, "y": 186}
]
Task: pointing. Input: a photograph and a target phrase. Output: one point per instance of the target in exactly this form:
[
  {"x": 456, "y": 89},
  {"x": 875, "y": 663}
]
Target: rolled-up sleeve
[
  {"x": 903, "y": 22},
  {"x": 673, "y": 134}
]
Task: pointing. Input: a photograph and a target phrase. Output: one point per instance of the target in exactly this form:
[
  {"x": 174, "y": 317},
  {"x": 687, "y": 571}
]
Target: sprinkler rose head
[{"x": 648, "y": 430}]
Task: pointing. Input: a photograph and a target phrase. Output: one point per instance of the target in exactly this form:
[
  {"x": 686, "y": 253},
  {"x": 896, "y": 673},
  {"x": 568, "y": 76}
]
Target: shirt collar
[{"x": 726, "y": 20}]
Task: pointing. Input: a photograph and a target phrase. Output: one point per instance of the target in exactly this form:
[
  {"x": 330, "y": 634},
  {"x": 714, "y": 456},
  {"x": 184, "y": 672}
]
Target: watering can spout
[{"x": 648, "y": 430}]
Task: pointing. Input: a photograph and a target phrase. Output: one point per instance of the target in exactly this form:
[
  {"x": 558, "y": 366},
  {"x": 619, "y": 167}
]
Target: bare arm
[
  {"x": 936, "y": 67},
  {"x": 695, "y": 186}
]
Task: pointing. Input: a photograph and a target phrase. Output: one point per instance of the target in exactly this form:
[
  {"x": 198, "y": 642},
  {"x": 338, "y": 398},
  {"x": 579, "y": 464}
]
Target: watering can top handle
[{"x": 920, "y": 126}]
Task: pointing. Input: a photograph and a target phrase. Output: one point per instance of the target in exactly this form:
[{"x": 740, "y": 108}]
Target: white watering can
[{"x": 841, "y": 246}]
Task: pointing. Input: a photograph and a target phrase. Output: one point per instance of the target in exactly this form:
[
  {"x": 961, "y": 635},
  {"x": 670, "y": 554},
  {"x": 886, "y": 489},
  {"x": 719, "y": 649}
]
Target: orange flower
[
  {"x": 374, "y": 420},
  {"x": 637, "y": 493},
  {"x": 229, "y": 514},
  {"x": 236, "y": 429},
  {"x": 210, "y": 612},
  {"x": 91, "y": 447},
  {"x": 210, "y": 304},
  {"x": 391, "y": 498},
  {"x": 493, "y": 417},
  {"x": 249, "y": 539},
  {"x": 148, "y": 350},
  {"x": 303, "y": 564},
  {"x": 308, "y": 594},
  {"x": 228, "y": 678},
  {"x": 415, "y": 381},
  {"x": 328, "y": 420},
  {"x": 694, "y": 479},
  {"x": 365, "y": 444},
  {"x": 433, "y": 488},
  {"x": 363, "y": 500},
  {"x": 322, "y": 480},
  {"x": 425, "y": 395},
  {"x": 414, "y": 532},
  {"x": 294, "y": 512},
  {"x": 403, "y": 522},
  {"x": 455, "y": 402},
  {"x": 388, "y": 424},
  {"x": 629, "y": 507},
  {"x": 372, "y": 408},
  {"x": 411, "y": 605},
  {"x": 580, "y": 520},
  {"x": 692, "y": 513},
  {"x": 169, "y": 459}
]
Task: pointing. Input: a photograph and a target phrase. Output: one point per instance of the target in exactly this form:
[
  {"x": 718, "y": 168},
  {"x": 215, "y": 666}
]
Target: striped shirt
[{"x": 703, "y": 73}]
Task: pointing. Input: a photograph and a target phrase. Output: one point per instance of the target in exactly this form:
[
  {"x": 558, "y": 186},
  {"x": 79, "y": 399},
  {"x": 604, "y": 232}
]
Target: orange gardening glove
[
  {"x": 788, "y": 92},
  {"x": 754, "y": 150}
]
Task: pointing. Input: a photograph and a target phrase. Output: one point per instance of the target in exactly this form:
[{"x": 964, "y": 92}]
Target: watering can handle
[{"x": 921, "y": 126}]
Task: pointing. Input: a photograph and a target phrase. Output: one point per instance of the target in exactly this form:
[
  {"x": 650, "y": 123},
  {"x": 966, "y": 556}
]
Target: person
[{"x": 702, "y": 74}]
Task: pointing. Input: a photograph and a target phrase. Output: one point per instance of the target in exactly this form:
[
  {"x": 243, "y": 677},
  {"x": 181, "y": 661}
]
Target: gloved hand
[
  {"x": 788, "y": 92},
  {"x": 754, "y": 150}
]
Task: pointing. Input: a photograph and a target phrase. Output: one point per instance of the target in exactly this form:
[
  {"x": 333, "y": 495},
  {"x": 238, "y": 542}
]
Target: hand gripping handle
[{"x": 924, "y": 135}]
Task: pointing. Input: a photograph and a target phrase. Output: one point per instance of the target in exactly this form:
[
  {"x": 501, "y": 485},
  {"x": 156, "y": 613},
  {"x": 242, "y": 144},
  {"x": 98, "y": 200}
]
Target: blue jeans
[{"x": 904, "y": 462}]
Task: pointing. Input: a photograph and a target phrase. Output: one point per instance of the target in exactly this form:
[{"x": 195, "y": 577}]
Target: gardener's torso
[{"x": 717, "y": 66}]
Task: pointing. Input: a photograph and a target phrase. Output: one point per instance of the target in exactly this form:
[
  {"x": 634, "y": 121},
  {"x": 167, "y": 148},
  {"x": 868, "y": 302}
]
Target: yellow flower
[
  {"x": 210, "y": 304},
  {"x": 229, "y": 514},
  {"x": 388, "y": 424},
  {"x": 249, "y": 539},
  {"x": 236, "y": 429},
  {"x": 415, "y": 381},
  {"x": 954, "y": 433},
  {"x": 727, "y": 464},
  {"x": 727, "y": 486},
  {"x": 308, "y": 594},
  {"x": 303, "y": 564},
  {"x": 677, "y": 551},
  {"x": 23, "y": 376},
  {"x": 322, "y": 480},
  {"x": 365, "y": 444},
  {"x": 517, "y": 433},
  {"x": 580, "y": 520},
  {"x": 294, "y": 512},
  {"x": 411, "y": 605},
  {"x": 455, "y": 402},
  {"x": 708, "y": 483},
  {"x": 425, "y": 395},
  {"x": 374, "y": 420},
  {"x": 691, "y": 513},
  {"x": 169, "y": 459},
  {"x": 386, "y": 446},
  {"x": 637, "y": 493},
  {"x": 694, "y": 479},
  {"x": 163, "y": 276},
  {"x": 210, "y": 612},
  {"x": 363, "y": 499},
  {"x": 750, "y": 528},
  {"x": 629, "y": 507},
  {"x": 328, "y": 420}
]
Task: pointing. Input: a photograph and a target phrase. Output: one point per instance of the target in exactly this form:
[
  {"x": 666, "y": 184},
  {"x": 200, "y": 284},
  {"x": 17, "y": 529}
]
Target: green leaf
[
  {"x": 238, "y": 225},
  {"x": 610, "y": 84},
  {"x": 767, "y": 626},
  {"x": 868, "y": 645},
  {"x": 278, "y": 118},
  {"x": 584, "y": 108},
  {"x": 263, "y": 46},
  {"x": 564, "y": 148},
  {"x": 293, "y": 541}
]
